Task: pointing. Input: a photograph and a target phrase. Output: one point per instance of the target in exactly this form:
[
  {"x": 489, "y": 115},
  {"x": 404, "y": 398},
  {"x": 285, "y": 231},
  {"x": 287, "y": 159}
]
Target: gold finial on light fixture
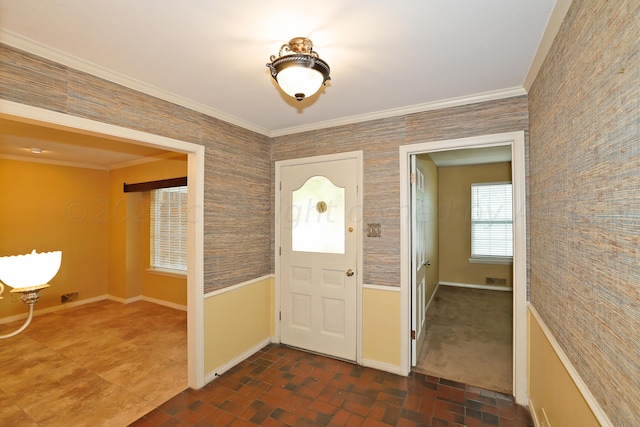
[{"x": 298, "y": 69}]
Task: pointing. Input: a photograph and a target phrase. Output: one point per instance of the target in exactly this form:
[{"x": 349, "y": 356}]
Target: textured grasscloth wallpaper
[
  {"x": 237, "y": 178},
  {"x": 584, "y": 167},
  {"x": 239, "y": 169},
  {"x": 380, "y": 141}
]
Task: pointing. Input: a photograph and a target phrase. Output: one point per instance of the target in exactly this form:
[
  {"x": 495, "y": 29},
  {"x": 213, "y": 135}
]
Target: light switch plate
[{"x": 374, "y": 230}]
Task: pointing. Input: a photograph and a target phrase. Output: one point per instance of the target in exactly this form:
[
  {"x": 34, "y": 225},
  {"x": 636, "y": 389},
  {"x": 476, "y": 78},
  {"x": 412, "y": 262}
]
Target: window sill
[
  {"x": 491, "y": 260},
  {"x": 182, "y": 274}
]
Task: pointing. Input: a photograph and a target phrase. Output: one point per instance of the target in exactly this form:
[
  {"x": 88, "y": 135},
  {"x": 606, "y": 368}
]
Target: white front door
[
  {"x": 319, "y": 217},
  {"x": 418, "y": 258}
]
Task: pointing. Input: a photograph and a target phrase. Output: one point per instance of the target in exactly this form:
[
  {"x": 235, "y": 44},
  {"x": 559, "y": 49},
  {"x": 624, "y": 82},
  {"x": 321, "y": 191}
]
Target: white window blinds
[
  {"x": 169, "y": 228},
  {"x": 491, "y": 220}
]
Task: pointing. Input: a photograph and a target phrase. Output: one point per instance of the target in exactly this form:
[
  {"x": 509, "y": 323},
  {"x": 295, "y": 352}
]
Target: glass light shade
[
  {"x": 301, "y": 72},
  {"x": 300, "y": 80},
  {"x": 31, "y": 270}
]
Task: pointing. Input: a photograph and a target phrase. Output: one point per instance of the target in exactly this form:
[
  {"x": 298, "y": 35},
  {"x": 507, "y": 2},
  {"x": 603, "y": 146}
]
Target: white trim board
[
  {"x": 195, "y": 174},
  {"x": 39, "y": 49},
  {"x": 433, "y": 296},
  {"x": 380, "y": 366},
  {"x": 601, "y": 416},
  {"x": 81, "y": 302},
  {"x": 411, "y": 109},
  {"x": 472, "y": 286},
  {"x": 516, "y": 141},
  {"x": 147, "y": 299},
  {"x": 53, "y": 309},
  {"x": 238, "y": 286},
  {"x": 210, "y": 376},
  {"x": 382, "y": 287}
]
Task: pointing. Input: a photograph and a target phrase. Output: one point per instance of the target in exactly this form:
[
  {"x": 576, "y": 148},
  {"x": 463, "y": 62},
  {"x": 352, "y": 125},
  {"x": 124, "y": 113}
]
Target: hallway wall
[
  {"x": 455, "y": 224},
  {"x": 585, "y": 200}
]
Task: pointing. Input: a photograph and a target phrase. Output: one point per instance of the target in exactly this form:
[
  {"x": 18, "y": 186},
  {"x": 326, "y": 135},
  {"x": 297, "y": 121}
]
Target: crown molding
[
  {"x": 36, "y": 48},
  {"x": 128, "y": 163},
  {"x": 39, "y": 49},
  {"x": 395, "y": 112},
  {"x": 53, "y": 162},
  {"x": 555, "y": 20}
]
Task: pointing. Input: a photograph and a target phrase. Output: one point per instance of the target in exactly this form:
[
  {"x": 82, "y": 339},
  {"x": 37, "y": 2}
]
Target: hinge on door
[
  {"x": 413, "y": 335},
  {"x": 280, "y": 251},
  {"x": 413, "y": 178},
  {"x": 280, "y": 315}
]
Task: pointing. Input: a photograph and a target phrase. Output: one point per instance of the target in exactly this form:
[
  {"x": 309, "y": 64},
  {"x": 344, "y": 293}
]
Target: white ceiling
[
  {"x": 386, "y": 57},
  {"x": 17, "y": 139},
  {"x": 472, "y": 156}
]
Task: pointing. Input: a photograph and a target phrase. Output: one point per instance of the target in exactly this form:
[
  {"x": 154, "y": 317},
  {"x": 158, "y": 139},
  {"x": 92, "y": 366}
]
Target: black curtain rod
[{"x": 154, "y": 185}]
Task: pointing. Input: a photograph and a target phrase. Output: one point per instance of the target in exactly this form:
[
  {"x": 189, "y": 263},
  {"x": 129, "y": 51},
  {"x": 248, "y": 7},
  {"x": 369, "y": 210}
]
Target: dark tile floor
[{"x": 280, "y": 386}]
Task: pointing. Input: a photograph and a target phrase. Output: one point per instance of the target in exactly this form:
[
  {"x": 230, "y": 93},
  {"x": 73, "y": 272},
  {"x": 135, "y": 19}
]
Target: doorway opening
[
  {"x": 514, "y": 142},
  {"x": 195, "y": 175}
]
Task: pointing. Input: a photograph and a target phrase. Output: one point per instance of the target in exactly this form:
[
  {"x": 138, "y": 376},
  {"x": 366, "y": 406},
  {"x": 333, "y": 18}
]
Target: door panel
[
  {"x": 419, "y": 257},
  {"x": 318, "y": 247}
]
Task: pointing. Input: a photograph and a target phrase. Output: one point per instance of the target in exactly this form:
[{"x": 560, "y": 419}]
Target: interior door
[
  {"x": 318, "y": 238},
  {"x": 419, "y": 259}
]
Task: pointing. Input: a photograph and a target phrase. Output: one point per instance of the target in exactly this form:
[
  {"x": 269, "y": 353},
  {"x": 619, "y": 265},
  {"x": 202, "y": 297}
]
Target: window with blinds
[
  {"x": 491, "y": 221},
  {"x": 169, "y": 229}
]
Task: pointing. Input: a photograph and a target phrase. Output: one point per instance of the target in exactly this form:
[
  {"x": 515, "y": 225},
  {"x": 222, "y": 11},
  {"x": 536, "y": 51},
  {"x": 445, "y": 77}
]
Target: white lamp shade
[
  {"x": 27, "y": 271},
  {"x": 300, "y": 80}
]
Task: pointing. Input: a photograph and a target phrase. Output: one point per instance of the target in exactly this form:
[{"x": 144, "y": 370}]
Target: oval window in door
[{"x": 318, "y": 217}]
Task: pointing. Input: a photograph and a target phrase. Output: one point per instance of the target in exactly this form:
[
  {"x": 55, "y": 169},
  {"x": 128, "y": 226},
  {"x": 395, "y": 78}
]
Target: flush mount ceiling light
[{"x": 298, "y": 69}]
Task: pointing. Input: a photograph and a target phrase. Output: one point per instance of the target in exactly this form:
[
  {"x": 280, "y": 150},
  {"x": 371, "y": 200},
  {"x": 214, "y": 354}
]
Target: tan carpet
[{"x": 469, "y": 338}]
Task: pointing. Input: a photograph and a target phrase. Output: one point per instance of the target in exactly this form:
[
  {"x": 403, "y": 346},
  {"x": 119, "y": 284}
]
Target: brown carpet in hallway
[{"x": 469, "y": 338}]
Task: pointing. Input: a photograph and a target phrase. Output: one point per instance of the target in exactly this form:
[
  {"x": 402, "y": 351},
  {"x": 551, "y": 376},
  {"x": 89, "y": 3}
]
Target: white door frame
[
  {"x": 516, "y": 141},
  {"x": 358, "y": 155},
  {"x": 195, "y": 176}
]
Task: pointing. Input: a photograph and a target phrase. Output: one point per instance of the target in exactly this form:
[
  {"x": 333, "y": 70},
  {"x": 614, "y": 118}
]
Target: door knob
[{"x": 350, "y": 272}]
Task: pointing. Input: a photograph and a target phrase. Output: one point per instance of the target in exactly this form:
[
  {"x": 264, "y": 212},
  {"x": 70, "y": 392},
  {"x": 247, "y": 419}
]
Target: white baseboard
[
  {"x": 147, "y": 299},
  {"x": 165, "y": 303},
  {"x": 78, "y": 303},
  {"x": 374, "y": 364},
  {"x": 591, "y": 401},
  {"x": 233, "y": 362},
  {"x": 433, "y": 295},
  {"x": 124, "y": 300},
  {"x": 53, "y": 309},
  {"x": 532, "y": 411},
  {"x": 472, "y": 286},
  {"x": 381, "y": 287}
]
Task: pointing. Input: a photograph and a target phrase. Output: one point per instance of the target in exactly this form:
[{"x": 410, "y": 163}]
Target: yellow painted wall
[
  {"x": 236, "y": 321},
  {"x": 381, "y": 326},
  {"x": 455, "y": 223},
  {"x": 129, "y": 234},
  {"x": 551, "y": 387},
  {"x": 50, "y": 207}
]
